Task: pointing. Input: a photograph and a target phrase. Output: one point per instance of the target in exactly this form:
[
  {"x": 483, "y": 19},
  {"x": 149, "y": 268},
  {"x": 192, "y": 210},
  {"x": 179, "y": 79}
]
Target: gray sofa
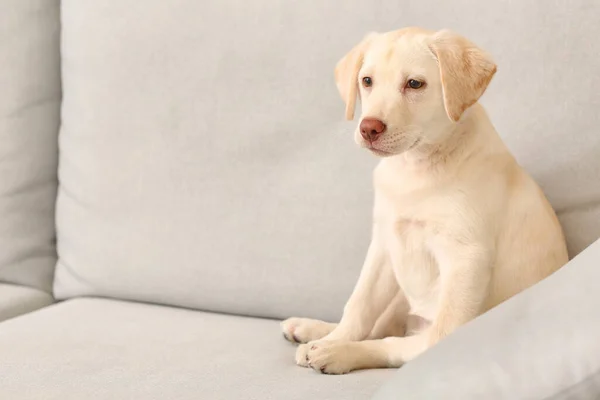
[{"x": 176, "y": 177}]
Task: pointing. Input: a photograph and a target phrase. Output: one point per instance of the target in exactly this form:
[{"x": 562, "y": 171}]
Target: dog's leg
[
  {"x": 391, "y": 323},
  {"x": 465, "y": 274},
  {"x": 304, "y": 330},
  {"x": 340, "y": 357},
  {"x": 373, "y": 293}
]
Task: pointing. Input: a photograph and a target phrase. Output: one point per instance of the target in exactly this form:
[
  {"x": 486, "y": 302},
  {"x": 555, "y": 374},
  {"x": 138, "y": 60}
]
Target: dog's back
[{"x": 530, "y": 243}]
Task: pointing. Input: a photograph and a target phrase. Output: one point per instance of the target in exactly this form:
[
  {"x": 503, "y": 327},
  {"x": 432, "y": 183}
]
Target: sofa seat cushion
[
  {"x": 16, "y": 300},
  {"x": 100, "y": 349}
]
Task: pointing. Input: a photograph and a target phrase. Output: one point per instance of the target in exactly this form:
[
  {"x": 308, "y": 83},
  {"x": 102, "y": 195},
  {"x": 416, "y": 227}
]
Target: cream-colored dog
[{"x": 458, "y": 226}]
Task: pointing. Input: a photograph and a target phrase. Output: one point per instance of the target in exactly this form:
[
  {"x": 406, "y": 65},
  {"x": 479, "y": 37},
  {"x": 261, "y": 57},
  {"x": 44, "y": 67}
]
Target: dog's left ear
[
  {"x": 465, "y": 70},
  {"x": 346, "y": 74}
]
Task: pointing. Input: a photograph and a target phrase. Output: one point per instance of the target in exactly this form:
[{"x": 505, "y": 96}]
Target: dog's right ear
[{"x": 346, "y": 74}]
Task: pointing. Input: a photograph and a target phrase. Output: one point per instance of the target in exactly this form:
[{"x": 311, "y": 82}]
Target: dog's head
[{"x": 413, "y": 85}]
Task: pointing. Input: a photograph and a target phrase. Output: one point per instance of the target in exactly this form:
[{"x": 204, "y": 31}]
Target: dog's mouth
[
  {"x": 412, "y": 146},
  {"x": 383, "y": 153},
  {"x": 378, "y": 152}
]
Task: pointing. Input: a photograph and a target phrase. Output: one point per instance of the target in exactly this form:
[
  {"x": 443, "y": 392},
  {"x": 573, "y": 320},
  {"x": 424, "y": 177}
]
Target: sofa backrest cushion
[
  {"x": 205, "y": 161},
  {"x": 29, "y": 123}
]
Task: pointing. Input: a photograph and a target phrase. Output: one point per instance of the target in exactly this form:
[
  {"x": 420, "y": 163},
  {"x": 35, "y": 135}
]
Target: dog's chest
[{"x": 407, "y": 216}]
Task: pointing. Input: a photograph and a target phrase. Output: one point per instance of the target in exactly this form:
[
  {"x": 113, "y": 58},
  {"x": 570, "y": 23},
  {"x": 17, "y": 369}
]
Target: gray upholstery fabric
[
  {"x": 103, "y": 349},
  {"x": 29, "y": 119},
  {"x": 205, "y": 162},
  {"x": 16, "y": 300},
  {"x": 542, "y": 344}
]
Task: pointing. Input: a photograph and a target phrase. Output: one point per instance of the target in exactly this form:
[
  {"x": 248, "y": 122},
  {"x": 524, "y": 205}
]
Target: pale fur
[{"x": 458, "y": 226}]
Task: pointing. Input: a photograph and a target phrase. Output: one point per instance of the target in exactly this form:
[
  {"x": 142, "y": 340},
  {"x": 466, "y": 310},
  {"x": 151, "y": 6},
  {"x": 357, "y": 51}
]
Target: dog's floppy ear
[
  {"x": 346, "y": 74},
  {"x": 465, "y": 71}
]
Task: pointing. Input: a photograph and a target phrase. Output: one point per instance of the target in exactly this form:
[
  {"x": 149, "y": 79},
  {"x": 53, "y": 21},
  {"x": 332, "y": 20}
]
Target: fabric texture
[
  {"x": 540, "y": 345},
  {"x": 16, "y": 300},
  {"x": 205, "y": 162},
  {"x": 29, "y": 122},
  {"x": 104, "y": 349}
]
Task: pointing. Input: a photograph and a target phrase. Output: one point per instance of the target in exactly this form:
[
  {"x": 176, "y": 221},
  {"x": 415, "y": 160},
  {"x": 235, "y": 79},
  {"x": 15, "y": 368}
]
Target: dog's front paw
[
  {"x": 331, "y": 357},
  {"x": 304, "y": 330},
  {"x": 302, "y": 355}
]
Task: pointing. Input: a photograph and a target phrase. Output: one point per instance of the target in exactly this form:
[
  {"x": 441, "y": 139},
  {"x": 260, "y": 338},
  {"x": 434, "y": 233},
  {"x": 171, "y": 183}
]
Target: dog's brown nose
[{"x": 371, "y": 128}]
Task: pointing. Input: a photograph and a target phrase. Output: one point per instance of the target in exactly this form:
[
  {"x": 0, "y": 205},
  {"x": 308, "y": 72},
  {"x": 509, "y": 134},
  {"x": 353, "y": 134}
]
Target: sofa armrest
[{"x": 541, "y": 344}]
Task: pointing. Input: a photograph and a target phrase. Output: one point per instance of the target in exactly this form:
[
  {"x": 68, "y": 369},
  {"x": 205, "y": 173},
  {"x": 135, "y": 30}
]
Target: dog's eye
[
  {"x": 414, "y": 84},
  {"x": 367, "y": 81}
]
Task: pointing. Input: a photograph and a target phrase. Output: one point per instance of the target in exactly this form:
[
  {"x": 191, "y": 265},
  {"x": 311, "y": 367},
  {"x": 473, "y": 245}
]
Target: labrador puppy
[{"x": 458, "y": 225}]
